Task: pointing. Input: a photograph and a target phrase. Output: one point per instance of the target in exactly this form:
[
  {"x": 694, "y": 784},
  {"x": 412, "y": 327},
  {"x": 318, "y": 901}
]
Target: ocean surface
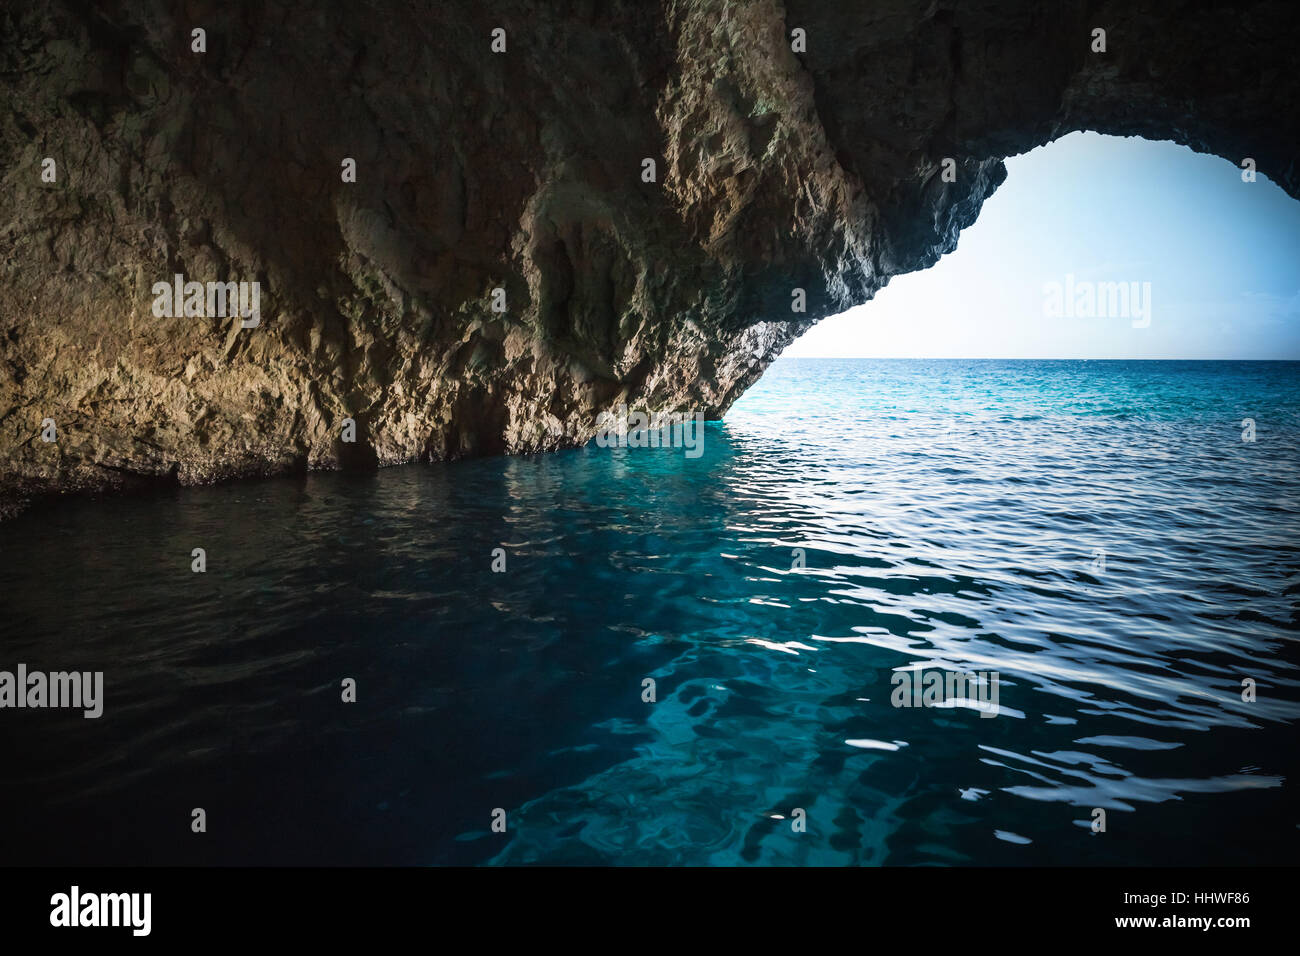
[{"x": 1097, "y": 537}]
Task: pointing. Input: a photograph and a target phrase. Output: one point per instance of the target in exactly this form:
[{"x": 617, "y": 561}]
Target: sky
[{"x": 1211, "y": 265}]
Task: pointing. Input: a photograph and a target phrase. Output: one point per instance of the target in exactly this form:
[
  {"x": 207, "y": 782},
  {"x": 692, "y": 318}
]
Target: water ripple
[{"x": 1096, "y": 534}]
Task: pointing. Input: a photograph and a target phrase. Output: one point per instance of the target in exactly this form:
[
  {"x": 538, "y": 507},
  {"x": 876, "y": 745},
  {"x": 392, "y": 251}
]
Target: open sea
[{"x": 694, "y": 660}]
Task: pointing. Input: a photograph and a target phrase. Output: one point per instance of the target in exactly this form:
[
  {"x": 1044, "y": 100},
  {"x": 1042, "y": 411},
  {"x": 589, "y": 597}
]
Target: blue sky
[{"x": 1221, "y": 256}]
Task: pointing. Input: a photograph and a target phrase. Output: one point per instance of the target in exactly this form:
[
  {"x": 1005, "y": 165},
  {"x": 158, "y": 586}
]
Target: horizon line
[{"x": 1011, "y": 358}]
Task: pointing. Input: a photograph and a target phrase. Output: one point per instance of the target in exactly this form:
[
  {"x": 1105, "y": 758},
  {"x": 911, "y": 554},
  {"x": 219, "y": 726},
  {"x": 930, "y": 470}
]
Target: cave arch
[{"x": 819, "y": 169}]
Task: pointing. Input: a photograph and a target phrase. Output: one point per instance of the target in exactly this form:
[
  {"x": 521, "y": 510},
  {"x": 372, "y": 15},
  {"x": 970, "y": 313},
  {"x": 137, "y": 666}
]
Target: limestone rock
[{"x": 521, "y": 170}]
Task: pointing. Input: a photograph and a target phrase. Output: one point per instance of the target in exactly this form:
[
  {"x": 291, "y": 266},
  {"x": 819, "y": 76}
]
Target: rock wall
[{"x": 778, "y": 166}]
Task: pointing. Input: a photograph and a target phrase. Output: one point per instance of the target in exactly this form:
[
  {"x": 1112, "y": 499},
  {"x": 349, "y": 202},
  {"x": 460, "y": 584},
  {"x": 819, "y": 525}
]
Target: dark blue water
[{"x": 1096, "y": 534}]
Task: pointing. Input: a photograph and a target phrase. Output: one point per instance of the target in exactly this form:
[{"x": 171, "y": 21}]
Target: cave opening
[{"x": 1098, "y": 247}]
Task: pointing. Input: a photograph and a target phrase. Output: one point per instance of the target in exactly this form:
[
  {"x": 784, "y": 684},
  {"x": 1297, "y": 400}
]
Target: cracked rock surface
[{"x": 521, "y": 170}]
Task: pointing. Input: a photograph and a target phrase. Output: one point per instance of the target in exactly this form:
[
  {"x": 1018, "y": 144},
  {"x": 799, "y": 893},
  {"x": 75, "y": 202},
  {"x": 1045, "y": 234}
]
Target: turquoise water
[{"x": 1095, "y": 534}]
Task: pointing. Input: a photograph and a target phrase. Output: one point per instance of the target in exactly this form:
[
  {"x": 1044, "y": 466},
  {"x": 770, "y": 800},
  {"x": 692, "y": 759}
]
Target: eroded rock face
[{"x": 521, "y": 170}]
